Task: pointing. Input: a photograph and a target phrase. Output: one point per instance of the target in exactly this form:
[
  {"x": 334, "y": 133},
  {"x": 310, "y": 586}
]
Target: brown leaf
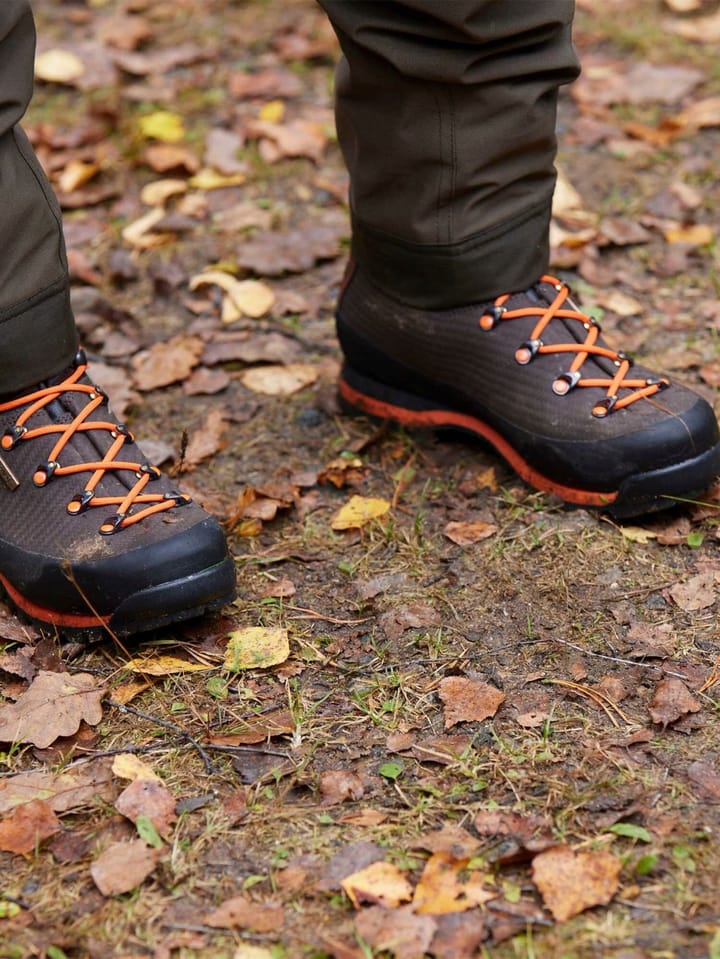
[
  {"x": 397, "y": 931},
  {"x": 53, "y": 706},
  {"x": 698, "y": 592},
  {"x": 221, "y": 149},
  {"x": 26, "y": 826},
  {"x": 701, "y": 29},
  {"x": 470, "y": 532},
  {"x": 571, "y": 882},
  {"x": 349, "y": 859},
  {"x": 533, "y": 707},
  {"x": 468, "y": 700},
  {"x": 19, "y": 663},
  {"x": 258, "y": 348},
  {"x": 606, "y": 82},
  {"x": 123, "y": 866},
  {"x": 340, "y": 785},
  {"x": 707, "y": 778},
  {"x": 150, "y": 798},
  {"x": 296, "y": 138},
  {"x": 458, "y": 935},
  {"x": 452, "y": 839},
  {"x": 241, "y": 913},
  {"x": 274, "y": 253},
  {"x": 167, "y": 157},
  {"x": 77, "y": 787},
  {"x": 279, "y": 380},
  {"x": 270, "y": 83},
  {"x": 671, "y": 700},
  {"x": 206, "y": 441},
  {"x": 205, "y": 382},
  {"x": 166, "y": 363}
]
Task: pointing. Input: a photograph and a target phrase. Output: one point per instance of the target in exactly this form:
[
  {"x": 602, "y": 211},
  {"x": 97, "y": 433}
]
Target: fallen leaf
[
  {"x": 340, "y": 785},
  {"x": 349, "y": 859},
  {"x": 149, "y": 798},
  {"x": 249, "y": 297},
  {"x": 164, "y": 157},
  {"x": 256, "y": 647},
  {"x": 26, "y": 826},
  {"x": 279, "y": 380},
  {"x": 636, "y": 534},
  {"x": 671, "y": 700},
  {"x": 452, "y": 839},
  {"x": 75, "y": 788},
  {"x": 359, "y": 511},
  {"x": 58, "y": 66},
  {"x": 164, "y": 665},
  {"x": 398, "y": 931},
  {"x": 163, "y": 125},
  {"x": 695, "y": 234},
  {"x": 53, "y": 706},
  {"x": 246, "y": 950},
  {"x": 468, "y": 533},
  {"x": 274, "y": 253},
  {"x": 706, "y": 777},
  {"x": 242, "y": 913},
  {"x": 139, "y": 234},
  {"x": 123, "y": 866},
  {"x": 221, "y": 151},
  {"x": 159, "y": 192},
  {"x": 446, "y": 885},
  {"x": 207, "y": 440},
  {"x": 468, "y": 700},
  {"x": 698, "y": 592},
  {"x": 701, "y": 29},
  {"x": 166, "y": 363},
  {"x": 130, "y": 766},
  {"x": 380, "y": 882},
  {"x": 458, "y": 936},
  {"x": 571, "y": 882},
  {"x": 296, "y": 138}
]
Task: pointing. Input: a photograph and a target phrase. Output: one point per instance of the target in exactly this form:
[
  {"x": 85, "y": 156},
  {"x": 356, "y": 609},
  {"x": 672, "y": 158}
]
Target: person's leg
[
  {"x": 446, "y": 118},
  {"x": 90, "y": 535}
]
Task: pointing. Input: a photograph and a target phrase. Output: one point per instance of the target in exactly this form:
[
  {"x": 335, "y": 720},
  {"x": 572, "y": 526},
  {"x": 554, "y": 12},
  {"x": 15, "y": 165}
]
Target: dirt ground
[{"x": 496, "y": 730}]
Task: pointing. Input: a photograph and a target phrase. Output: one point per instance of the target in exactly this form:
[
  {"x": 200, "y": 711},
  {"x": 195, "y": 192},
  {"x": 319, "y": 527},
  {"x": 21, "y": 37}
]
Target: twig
[{"x": 184, "y": 734}]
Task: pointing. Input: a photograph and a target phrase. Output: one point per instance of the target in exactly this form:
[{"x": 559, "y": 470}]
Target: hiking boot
[
  {"x": 531, "y": 374},
  {"x": 91, "y": 536}
]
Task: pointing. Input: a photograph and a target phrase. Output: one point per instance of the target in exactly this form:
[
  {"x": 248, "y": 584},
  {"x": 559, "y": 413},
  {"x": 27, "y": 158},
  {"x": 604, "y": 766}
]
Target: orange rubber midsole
[
  {"x": 69, "y": 620},
  {"x": 437, "y": 418}
]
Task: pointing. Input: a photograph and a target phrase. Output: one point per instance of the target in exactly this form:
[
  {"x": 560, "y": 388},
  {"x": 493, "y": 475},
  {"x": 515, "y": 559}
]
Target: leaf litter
[{"x": 345, "y": 734}]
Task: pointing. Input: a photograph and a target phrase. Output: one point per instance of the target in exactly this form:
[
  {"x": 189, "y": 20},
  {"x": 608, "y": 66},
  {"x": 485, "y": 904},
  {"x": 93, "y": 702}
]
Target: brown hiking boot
[
  {"x": 531, "y": 374},
  {"x": 91, "y": 536}
]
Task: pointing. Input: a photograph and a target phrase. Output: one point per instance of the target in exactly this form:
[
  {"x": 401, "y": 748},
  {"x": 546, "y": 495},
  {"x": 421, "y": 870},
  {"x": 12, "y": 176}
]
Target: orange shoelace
[
  {"x": 641, "y": 388},
  {"x": 144, "y": 473}
]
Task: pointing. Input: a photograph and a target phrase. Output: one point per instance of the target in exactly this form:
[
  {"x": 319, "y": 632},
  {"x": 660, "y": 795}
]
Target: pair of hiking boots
[{"x": 92, "y": 537}]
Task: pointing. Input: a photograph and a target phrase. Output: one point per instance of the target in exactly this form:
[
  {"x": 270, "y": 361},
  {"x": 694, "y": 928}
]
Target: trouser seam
[{"x": 17, "y": 309}]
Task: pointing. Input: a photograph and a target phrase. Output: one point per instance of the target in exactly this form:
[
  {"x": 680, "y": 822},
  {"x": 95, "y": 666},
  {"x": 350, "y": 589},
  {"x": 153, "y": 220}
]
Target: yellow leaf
[
  {"x": 159, "y": 192},
  {"x": 273, "y": 112},
  {"x": 256, "y": 647},
  {"x": 58, "y": 66},
  {"x": 636, "y": 534},
  {"x": 248, "y": 297},
  {"x": 380, "y": 882},
  {"x": 162, "y": 125},
  {"x": 76, "y": 174},
  {"x": 446, "y": 886},
  {"x": 208, "y": 179},
  {"x": 697, "y": 234},
  {"x": 164, "y": 666},
  {"x": 359, "y": 511},
  {"x": 278, "y": 380},
  {"x": 126, "y": 692},
  {"x": 128, "y": 766}
]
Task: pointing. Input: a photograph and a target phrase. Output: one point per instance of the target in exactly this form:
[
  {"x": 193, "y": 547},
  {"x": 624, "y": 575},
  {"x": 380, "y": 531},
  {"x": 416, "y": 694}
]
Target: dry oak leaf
[
  {"x": 53, "y": 706},
  {"x": 468, "y": 700},
  {"x": 380, "y": 882},
  {"x": 340, "y": 785},
  {"x": 571, "y": 882},
  {"x": 441, "y": 889},
  {"x": 123, "y": 866},
  {"x": 26, "y": 827},
  {"x": 149, "y": 798},
  {"x": 166, "y": 363},
  {"x": 359, "y": 511},
  {"x": 671, "y": 700},
  {"x": 80, "y": 786},
  {"x": 399, "y": 931},
  {"x": 241, "y": 913},
  {"x": 698, "y": 592}
]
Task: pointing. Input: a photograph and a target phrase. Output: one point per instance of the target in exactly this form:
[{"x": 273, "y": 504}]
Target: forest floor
[{"x": 479, "y": 724}]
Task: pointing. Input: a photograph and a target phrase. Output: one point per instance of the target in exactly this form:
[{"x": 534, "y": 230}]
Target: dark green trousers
[{"x": 446, "y": 119}]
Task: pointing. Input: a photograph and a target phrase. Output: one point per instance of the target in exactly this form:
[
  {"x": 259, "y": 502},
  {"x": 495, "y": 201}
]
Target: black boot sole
[
  {"x": 149, "y": 609},
  {"x": 638, "y": 494}
]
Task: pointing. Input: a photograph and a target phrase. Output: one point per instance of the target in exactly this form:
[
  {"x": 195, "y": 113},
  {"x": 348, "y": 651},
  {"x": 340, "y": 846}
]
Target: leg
[
  {"x": 446, "y": 114},
  {"x": 156, "y": 557}
]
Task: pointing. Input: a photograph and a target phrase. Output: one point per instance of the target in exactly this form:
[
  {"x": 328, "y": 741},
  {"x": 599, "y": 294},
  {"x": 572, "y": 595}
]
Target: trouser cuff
[
  {"x": 38, "y": 339},
  {"x": 504, "y": 259}
]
